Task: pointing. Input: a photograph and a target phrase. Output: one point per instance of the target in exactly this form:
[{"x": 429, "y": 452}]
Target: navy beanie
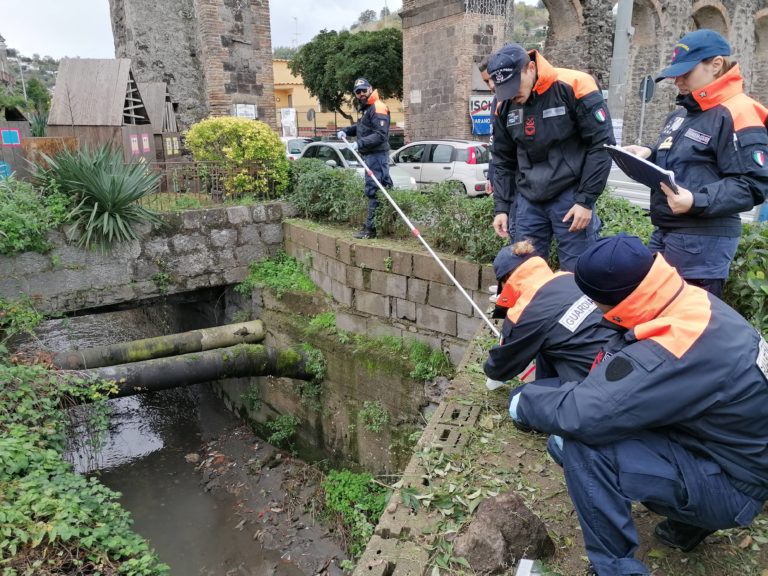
[
  {"x": 506, "y": 261},
  {"x": 611, "y": 268}
]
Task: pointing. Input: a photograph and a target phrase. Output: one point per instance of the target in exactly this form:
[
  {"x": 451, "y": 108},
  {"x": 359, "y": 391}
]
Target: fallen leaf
[{"x": 746, "y": 542}]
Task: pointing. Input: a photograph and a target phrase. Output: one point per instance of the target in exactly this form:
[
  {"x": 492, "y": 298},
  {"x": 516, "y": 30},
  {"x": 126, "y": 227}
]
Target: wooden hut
[
  {"x": 14, "y": 130},
  {"x": 98, "y": 102},
  {"x": 162, "y": 114}
]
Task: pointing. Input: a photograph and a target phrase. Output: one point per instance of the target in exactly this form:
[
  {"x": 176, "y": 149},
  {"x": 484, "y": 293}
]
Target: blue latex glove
[
  {"x": 353, "y": 146},
  {"x": 341, "y": 135},
  {"x": 514, "y": 400}
]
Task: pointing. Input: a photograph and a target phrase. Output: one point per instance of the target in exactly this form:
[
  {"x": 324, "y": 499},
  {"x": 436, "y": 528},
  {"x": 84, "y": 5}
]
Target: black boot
[
  {"x": 365, "y": 234},
  {"x": 679, "y": 535}
]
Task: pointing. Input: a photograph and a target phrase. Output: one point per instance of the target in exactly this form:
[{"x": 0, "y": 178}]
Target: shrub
[
  {"x": 747, "y": 287},
  {"x": 323, "y": 193},
  {"x": 241, "y": 144},
  {"x": 374, "y": 416},
  {"x": 280, "y": 274},
  {"x": 357, "y": 503},
  {"x": 282, "y": 430},
  {"x": 26, "y": 217},
  {"x": 106, "y": 191},
  {"x": 620, "y": 215}
]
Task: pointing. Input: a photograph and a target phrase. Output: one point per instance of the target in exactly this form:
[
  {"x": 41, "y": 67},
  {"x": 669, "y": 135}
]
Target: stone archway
[
  {"x": 710, "y": 14},
  {"x": 760, "y": 58}
]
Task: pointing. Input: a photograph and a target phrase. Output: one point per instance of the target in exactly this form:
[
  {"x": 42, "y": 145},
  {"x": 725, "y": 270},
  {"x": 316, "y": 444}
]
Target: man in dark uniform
[
  {"x": 549, "y": 160},
  {"x": 372, "y": 132},
  {"x": 675, "y": 414}
]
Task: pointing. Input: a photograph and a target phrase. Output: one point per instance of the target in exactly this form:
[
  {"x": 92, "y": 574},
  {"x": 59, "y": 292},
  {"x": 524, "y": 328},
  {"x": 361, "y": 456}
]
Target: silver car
[{"x": 338, "y": 155}]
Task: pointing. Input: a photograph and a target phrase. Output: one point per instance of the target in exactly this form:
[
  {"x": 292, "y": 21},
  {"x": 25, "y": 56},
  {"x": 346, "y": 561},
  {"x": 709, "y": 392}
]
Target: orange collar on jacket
[
  {"x": 545, "y": 73},
  {"x": 523, "y": 284},
  {"x": 665, "y": 309},
  {"x": 373, "y": 97},
  {"x": 720, "y": 89}
]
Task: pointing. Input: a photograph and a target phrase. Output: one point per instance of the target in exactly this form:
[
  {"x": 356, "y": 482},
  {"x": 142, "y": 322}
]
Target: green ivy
[
  {"x": 747, "y": 287},
  {"x": 280, "y": 274},
  {"x": 374, "y": 416},
  {"x": 282, "y": 430},
  {"x": 357, "y": 502},
  {"x": 53, "y": 521},
  {"x": 17, "y": 317}
]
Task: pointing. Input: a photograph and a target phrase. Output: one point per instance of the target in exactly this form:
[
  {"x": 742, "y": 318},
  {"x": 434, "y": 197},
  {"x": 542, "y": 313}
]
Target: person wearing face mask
[
  {"x": 372, "y": 132},
  {"x": 717, "y": 145},
  {"x": 550, "y": 161}
]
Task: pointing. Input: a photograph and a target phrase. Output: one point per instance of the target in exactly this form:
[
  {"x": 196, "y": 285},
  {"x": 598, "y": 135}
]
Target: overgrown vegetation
[
  {"x": 17, "y": 318},
  {"x": 356, "y": 502},
  {"x": 280, "y": 274},
  {"x": 282, "y": 430},
  {"x": 53, "y": 521},
  {"x": 374, "y": 416},
  {"x": 747, "y": 286},
  {"x": 105, "y": 192},
  {"x": 250, "y": 147},
  {"x": 26, "y": 216},
  {"x": 321, "y": 193}
]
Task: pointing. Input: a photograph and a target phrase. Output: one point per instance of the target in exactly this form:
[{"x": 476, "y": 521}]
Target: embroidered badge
[
  {"x": 600, "y": 115},
  {"x": 667, "y": 144},
  {"x": 383, "y": 122},
  {"x": 550, "y": 112},
  {"x": 530, "y": 126},
  {"x": 759, "y": 157},
  {"x": 762, "y": 357},
  {"x": 697, "y": 136},
  {"x": 514, "y": 117},
  {"x": 577, "y": 313}
]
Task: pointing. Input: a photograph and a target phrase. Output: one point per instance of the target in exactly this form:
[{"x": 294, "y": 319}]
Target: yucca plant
[
  {"x": 38, "y": 123},
  {"x": 106, "y": 191}
]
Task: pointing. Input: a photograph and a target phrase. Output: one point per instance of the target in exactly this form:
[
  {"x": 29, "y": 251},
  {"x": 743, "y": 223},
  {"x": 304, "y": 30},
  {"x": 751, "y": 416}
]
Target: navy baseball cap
[
  {"x": 361, "y": 84},
  {"x": 505, "y": 67},
  {"x": 693, "y": 48},
  {"x": 611, "y": 268}
]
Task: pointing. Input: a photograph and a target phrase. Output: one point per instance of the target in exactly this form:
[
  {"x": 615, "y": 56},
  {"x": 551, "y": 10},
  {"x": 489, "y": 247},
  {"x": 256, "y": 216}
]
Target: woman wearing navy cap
[{"x": 716, "y": 143}]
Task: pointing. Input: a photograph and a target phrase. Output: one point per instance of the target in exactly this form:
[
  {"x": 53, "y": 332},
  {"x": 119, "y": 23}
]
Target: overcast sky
[{"x": 82, "y": 28}]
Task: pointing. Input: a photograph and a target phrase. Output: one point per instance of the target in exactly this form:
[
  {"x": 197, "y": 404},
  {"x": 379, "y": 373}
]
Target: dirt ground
[{"x": 275, "y": 497}]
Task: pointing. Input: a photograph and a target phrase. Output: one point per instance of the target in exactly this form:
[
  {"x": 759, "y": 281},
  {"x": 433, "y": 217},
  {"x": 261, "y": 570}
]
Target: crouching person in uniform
[
  {"x": 546, "y": 317},
  {"x": 674, "y": 416},
  {"x": 372, "y": 131}
]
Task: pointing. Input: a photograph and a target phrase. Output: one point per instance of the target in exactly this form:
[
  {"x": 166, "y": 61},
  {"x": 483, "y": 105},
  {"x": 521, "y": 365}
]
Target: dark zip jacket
[
  {"x": 554, "y": 142},
  {"x": 548, "y": 317},
  {"x": 684, "y": 363},
  {"x": 372, "y": 128},
  {"x": 717, "y": 146}
]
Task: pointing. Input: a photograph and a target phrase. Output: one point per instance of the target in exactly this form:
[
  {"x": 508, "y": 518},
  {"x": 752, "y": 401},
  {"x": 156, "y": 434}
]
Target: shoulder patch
[
  {"x": 618, "y": 368},
  {"x": 762, "y": 357},
  {"x": 600, "y": 114},
  {"x": 577, "y": 313},
  {"x": 759, "y": 157}
]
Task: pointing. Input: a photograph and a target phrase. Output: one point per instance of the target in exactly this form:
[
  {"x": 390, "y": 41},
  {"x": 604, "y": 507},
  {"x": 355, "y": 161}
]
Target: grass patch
[{"x": 280, "y": 274}]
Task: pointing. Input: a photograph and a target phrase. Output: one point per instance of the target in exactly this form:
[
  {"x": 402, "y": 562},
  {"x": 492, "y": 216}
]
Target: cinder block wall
[{"x": 394, "y": 291}]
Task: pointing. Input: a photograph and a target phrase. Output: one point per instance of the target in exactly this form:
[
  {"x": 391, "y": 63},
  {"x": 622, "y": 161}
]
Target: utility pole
[
  {"x": 296, "y": 33},
  {"x": 617, "y": 90}
]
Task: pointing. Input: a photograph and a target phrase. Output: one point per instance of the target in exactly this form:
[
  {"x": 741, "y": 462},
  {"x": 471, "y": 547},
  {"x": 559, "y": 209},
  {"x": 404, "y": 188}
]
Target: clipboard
[{"x": 640, "y": 169}]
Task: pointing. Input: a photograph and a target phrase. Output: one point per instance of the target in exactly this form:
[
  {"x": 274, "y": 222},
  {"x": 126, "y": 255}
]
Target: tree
[
  {"x": 384, "y": 13},
  {"x": 331, "y": 61},
  {"x": 284, "y": 52},
  {"x": 367, "y": 16},
  {"x": 38, "y": 97}
]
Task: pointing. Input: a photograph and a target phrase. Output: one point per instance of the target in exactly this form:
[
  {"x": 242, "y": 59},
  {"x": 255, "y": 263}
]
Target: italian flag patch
[
  {"x": 600, "y": 114},
  {"x": 759, "y": 157}
]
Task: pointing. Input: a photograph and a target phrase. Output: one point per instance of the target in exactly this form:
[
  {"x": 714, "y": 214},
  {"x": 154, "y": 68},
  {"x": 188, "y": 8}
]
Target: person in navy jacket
[
  {"x": 716, "y": 143},
  {"x": 675, "y": 415}
]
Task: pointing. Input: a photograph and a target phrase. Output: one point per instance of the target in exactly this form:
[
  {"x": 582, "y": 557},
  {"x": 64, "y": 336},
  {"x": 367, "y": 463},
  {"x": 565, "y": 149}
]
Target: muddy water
[{"x": 143, "y": 457}]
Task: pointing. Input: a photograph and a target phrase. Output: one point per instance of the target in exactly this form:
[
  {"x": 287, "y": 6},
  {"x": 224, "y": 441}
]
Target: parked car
[
  {"x": 294, "y": 145},
  {"x": 338, "y": 155},
  {"x": 462, "y": 161}
]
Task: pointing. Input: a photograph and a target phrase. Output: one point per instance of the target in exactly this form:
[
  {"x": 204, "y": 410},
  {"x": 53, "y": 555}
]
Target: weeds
[
  {"x": 281, "y": 274},
  {"x": 373, "y": 416}
]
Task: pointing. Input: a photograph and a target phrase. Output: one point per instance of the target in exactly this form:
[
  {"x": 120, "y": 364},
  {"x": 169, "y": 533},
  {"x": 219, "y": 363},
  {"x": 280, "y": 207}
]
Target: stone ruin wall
[
  {"x": 212, "y": 53},
  {"x": 438, "y": 56}
]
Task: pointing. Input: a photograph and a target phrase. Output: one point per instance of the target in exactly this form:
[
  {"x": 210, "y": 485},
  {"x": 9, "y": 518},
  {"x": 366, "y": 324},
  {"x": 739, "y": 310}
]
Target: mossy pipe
[
  {"x": 239, "y": 361},
  {"x": 162, "y": 346}
]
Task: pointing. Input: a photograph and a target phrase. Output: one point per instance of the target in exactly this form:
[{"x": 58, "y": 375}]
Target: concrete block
[
  {"x": 402, "y": 262},
  {"x": 450, "y": 439},
  {"x": 418, "y": 290},
  {"x": 437, "y": 319},
  {"x": 487, "y": 278},
  {"x": 456, "y": 414},
  {"x": 389, "y": 284},
  {"x": 372, "y": 257},
  {"x": 341, "y": 293},
  {"x": 344, "y": 250},
  {"x": 391, "y": 557},
  {"x": 467, "y": 274},
  {"x": 320, "y": 263},
  {"x": 379, "y": 329},
  {"x": 357, "y": 278},
  {"x": 337, "y": 269},
  {"x": 426, "y": 268},
  {"x": 236, "y": 274},
  {"x": 182, "y": 244},
  {"x": 448, "y": 298},
  {"x": 272, "y": 233},
  {"x": 405, "y": 310},
  {"x": 349, "y": 322},
  {"x": 372, "y": 303},
  {"x": 326, "y": 245},
  {"x": 321, "y": 280},
  {"x": 259, "y": 213},
  {"x": 250, "y": 253},
  {"x": 456, "y": 352},
  {"x": 304, "y": 237},
  {"x": 466, "y": 326}
]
